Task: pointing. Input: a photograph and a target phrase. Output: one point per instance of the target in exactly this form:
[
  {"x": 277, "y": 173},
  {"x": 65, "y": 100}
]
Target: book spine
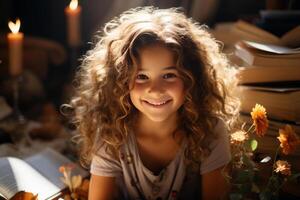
[
  {"x": 275, "y": 61},
  {"x": 280, "y": 106},
  {"x": 260, "y": 74}
]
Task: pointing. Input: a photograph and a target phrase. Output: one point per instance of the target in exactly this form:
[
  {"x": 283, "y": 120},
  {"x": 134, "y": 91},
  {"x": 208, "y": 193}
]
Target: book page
[
  {"x": 291, "y": 38},
  {"x": 48, "y": 162},
  {"x": 273, "y": 89},
  {"x": 17, "y": 175},
  {"x": 271, "y": 48},
  {"x": 251, "y": 29}
]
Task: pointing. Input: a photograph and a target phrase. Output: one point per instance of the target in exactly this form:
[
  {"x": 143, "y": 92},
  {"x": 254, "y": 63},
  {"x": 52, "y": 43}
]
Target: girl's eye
[
  {"x": 169, "y": 75},
  {"x": 141, "y": 77}
]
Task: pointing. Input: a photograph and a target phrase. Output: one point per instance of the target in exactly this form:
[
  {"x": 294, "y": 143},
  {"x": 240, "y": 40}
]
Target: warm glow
[
  {"x": 14, "y": 27},
  {"x": 73, "y": 4}
]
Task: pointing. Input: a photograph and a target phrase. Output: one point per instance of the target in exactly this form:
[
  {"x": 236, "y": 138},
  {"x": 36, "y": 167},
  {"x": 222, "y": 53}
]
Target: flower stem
[
  {"x": 273, "y": 166},
  {"x": 250, "y": 128}
]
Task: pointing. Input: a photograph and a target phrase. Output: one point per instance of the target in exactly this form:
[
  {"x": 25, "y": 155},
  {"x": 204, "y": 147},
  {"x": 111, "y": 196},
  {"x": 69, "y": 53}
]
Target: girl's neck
[{"x": 160, "y": 130}]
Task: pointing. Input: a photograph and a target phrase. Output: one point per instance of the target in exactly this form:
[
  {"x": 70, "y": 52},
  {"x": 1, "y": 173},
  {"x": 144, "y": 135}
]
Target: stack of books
[
  {"x": 270, "y": 76},
  {"x": 243, "y": 30},
  {"x": 266, "y": 63}
]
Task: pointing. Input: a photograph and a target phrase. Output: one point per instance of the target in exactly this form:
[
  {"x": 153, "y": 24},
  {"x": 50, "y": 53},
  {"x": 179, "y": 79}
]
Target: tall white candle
[
  {"x": 15, "y": 45},
  {"x": 73, "y": 12}
]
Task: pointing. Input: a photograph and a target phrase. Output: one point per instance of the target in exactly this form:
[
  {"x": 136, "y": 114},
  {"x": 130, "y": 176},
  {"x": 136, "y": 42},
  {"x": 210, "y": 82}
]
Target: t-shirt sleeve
[
  {"x": 104, "y": 164},
  {"x": 220, "y": 154}
]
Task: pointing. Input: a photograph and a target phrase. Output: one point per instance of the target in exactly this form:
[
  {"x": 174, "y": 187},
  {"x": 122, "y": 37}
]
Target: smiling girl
[{"x": 153, "y": 109}]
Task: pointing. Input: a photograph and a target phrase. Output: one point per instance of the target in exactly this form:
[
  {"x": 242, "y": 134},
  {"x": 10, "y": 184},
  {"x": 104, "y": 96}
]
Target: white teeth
[{"x": 157, "y": 104}]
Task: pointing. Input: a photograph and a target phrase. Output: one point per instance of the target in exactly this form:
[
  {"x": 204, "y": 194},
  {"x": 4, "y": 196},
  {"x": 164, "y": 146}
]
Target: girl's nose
[{"x": 156, "y": 86}]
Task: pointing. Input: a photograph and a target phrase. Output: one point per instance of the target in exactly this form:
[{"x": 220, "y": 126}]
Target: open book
[
  {"x": 263, "y": 54},
  {"x": 231, "y": 32},
  {"x": 37, "y": 174},
  {"x": 251, "y": 32}
]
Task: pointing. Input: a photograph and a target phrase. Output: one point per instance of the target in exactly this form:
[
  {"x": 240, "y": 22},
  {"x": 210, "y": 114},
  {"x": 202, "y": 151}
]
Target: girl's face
[{"x": 158, "y": 90}]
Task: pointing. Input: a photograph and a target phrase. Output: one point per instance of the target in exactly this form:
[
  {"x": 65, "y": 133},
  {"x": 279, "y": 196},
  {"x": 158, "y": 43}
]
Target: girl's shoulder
[
  {"x": 220, "y": 149},
  {"x": 220, "y": 127}
]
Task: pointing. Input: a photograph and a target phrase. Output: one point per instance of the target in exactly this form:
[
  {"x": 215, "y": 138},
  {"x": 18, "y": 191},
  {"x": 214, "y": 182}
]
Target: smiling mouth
[{"x": 157, "y": 104}]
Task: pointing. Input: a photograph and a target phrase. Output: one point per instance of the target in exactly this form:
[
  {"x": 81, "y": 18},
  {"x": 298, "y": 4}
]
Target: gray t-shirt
[{"x": 174, "y": 181}]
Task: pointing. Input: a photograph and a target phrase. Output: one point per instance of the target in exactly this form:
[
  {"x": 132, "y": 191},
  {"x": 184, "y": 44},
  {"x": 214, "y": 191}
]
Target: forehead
[{"x": 156, "y": 56}]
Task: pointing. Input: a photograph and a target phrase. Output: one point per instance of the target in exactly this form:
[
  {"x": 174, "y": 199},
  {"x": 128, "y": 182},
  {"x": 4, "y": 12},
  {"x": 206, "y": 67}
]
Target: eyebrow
[
  {"x": 170, "y": 67},
  {"x": 166, "y": 68}
]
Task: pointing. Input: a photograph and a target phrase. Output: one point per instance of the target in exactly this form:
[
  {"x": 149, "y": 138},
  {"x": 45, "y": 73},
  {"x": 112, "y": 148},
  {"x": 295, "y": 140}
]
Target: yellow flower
[
  {"x": 238, "y": 137},
  {"x": 289, "y": 140},
  {"x": 283, "y": 167},
  {"x": 260, "y": 121}
]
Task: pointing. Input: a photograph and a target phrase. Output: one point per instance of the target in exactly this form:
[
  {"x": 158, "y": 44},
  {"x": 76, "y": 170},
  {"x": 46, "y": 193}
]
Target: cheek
[
  {"x": 138, "y": 87},
  {"x": 135, "y": 93},
  {"x": 177, "y": 88},
  {"x": 133, "y": 98},
  {"x": 137, "y": 90}
]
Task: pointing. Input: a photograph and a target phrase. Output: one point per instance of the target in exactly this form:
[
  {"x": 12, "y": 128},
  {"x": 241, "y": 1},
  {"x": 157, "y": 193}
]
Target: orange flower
[
  {"x": 283, "y": 167},
  {"x": 238, "y": 137},
  {"x": 289, "y": 140},
  {"x": 62, "y": 169},
  {"x": 260, "y": 121}
]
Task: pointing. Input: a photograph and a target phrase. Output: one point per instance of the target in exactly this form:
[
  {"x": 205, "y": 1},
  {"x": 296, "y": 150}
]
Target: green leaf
[
  {"x": 248, "y": 161},
  {"x": 253, "y": 144}
]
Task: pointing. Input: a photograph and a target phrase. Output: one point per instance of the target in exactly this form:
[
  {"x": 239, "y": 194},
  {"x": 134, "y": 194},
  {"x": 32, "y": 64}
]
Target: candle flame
[
  {"x": 73, "y": 4},
  {"x": 14, "y": 27}
]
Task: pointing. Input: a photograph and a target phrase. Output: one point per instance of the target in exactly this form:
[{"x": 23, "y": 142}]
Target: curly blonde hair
[{"x": 103, "y": 112}]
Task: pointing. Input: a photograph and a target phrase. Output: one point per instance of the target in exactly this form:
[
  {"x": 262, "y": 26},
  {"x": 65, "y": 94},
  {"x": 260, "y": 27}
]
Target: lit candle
[
  {"x": 73, "y": 23},
  {"x": 15, "y": 45}
]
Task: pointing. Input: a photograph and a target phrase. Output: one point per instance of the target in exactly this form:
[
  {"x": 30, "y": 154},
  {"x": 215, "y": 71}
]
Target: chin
[{"x": 158, "y": 118}]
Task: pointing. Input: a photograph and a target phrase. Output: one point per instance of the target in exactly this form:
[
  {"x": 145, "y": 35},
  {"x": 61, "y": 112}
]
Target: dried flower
[
  {"x": 73, "y": 182},
  {"x": 62, "y": 169},
  {"x": 260, "y": 121},
  {"x": 24, "y": 196},
  {"x": 244, "y": 170},
  {"x": 283, "y": 167},
  {"x": 238, "y": 137},
  {"x": 288, "y": 139},
  {"x": 76, "y": 181}
]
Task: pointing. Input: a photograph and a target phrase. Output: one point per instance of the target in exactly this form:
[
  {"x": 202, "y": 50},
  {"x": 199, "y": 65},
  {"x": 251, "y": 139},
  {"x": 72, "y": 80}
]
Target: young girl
[{"x": 153, "y": 109}]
